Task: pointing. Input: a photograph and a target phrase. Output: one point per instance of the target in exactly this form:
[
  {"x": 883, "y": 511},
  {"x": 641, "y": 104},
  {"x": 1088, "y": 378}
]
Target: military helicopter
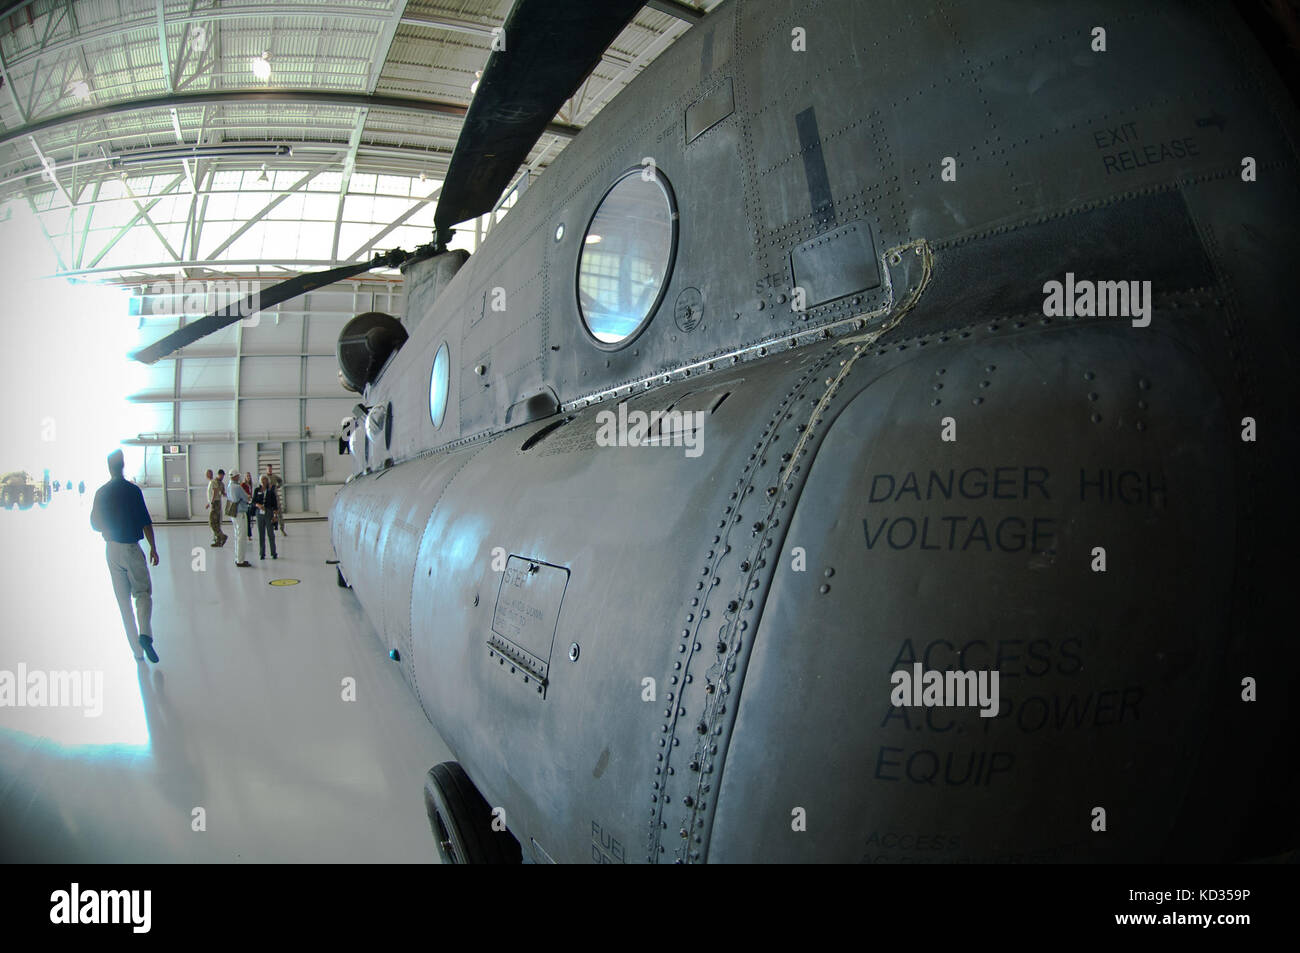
[{"x": 975, "y": 315}]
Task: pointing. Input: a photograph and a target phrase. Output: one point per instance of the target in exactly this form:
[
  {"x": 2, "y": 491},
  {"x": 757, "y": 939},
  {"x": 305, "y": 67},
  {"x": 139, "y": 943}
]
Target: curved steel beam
[{"x": 245, "y": 97}]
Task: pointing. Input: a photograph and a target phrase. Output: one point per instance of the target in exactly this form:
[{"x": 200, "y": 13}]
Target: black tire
[
  {"x": 461, "y": 820},
  {"x": 343, "y": 583}
]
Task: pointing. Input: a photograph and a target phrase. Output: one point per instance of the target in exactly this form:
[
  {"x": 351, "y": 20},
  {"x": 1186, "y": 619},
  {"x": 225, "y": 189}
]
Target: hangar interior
[
  {"x": 191, "y": 151},
  {"x": 160, "y": 159}
]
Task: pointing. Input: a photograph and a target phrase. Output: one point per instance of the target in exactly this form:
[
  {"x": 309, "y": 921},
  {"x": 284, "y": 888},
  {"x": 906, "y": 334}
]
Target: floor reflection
[{"x": 241, "y": 718}]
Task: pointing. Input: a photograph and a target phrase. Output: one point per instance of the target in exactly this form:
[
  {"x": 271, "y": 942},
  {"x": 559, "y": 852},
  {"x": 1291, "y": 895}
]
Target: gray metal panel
[
  {"x": 838, "y": 263},
  {"x": 716, "y": 105},
  {"x": 426, "y": 280},
  {"x": 929, "y": 537}
]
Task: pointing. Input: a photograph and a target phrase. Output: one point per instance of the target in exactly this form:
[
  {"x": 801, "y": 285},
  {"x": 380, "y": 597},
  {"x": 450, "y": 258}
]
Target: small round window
[
  {"x": 626, "y": 254},
  {"x": 439, "y": 381}
]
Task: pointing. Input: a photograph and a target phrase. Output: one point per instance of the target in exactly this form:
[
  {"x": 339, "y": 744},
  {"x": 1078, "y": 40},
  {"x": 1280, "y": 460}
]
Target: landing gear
[{"x": 462, "y": 821}]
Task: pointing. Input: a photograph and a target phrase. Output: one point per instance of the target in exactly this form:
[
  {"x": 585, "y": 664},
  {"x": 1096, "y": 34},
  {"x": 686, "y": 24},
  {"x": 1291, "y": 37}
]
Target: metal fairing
[{"x": 771, "y": 682}]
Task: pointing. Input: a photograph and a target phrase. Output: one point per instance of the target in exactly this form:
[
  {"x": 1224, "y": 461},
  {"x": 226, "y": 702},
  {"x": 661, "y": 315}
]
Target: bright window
[
  {"x": 439, "y": 381},
  {"x": 626, "y": 253}
]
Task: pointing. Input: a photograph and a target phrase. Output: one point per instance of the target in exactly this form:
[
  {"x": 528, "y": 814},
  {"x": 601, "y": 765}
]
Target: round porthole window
[
  {"x": 439, "y": 381},
  {"x": 627, "y": 252}
]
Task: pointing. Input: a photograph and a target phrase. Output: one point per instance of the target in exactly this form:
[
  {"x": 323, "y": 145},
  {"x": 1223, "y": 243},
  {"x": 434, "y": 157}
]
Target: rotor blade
[
  {"x": 549, "y": 49},
  {"x": 257, "y": 301}
]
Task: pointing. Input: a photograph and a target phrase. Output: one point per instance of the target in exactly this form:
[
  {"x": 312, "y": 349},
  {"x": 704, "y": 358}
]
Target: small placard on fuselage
[
  {"x": 527, "y": 611},
  {"x": 703, "y": 115}
]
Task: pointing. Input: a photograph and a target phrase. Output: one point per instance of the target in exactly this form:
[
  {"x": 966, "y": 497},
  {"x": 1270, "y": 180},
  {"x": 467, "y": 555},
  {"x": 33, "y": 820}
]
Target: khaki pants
[
  {"x": 237, "y": 521},
  {"x": 130, "y": 575},
  {"x": 214, "y": 521}
]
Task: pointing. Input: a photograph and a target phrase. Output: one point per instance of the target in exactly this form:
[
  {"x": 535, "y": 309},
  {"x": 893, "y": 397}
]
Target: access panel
[{"x": 524, "y": 620}]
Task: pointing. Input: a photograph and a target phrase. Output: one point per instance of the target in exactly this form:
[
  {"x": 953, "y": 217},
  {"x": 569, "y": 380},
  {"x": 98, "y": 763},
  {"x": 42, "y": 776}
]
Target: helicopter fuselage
[{"x": 973, "y": 349}]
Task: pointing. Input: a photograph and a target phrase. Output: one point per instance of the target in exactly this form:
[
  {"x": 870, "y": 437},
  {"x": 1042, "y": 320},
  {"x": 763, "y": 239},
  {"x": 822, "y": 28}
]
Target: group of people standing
[{"x": 241, "y": 501}]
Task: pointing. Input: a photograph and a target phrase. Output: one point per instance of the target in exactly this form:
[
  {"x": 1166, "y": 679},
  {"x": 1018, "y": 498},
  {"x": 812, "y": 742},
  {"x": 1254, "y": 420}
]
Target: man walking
[
  {"x": 277, "y": 483},
  {"x": 120, "y": 516},
  {"x": 241, "y": 501},
  {"x": 216, "y": 493},
  {"x": 268, "y": 504}
]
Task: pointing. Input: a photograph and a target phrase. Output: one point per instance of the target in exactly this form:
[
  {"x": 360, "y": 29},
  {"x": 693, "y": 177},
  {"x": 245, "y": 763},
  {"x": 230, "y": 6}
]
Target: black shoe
[
  {"x": 146, "y": 643},
  {"x": 274, "y": 556}
]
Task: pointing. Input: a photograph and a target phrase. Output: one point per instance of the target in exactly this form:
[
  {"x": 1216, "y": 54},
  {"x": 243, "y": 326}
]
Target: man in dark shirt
[{"x": 120, "y": 516}]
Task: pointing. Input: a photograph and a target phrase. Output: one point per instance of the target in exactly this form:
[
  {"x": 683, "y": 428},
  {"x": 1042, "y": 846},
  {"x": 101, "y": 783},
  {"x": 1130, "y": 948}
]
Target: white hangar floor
[{"x": 243, "y": 716}]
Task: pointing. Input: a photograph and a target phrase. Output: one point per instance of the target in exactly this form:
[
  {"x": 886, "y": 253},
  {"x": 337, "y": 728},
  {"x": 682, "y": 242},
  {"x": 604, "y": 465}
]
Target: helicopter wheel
[{"x": 461, "y": 820}]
